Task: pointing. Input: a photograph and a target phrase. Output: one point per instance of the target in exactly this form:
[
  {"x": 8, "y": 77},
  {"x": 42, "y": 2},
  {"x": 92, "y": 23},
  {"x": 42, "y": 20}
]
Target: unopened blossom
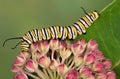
[
  {"x": 62, "y": 69},
  {"x": 19, "y": 61},
  {"x": 31, "y": 65},
  {"x": 44, "y": 61},
  {"x": 72, "y": 74},
  {"x": 111, "y": 75},
  {"x": 56, "y": 59},
  {"x": 20, "y": 75}
]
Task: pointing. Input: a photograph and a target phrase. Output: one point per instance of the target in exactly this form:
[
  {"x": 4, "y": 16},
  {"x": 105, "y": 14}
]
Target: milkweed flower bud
[
  {"x": 54, "y": 44},
  {"x": 20, "y": 75},
  {"x": 24, "y": 54},
  {"x": 65, "y": 53},
  {"x": 98, "y": 67},
  {"x": 77, "y": 49},
  {"x": 53, "y": 64},
  {"x": 72, "y": 74},
  {"x": 44, "y": 62},
  {"x": 31, "y": 65},
  {"x": 15, "y": 68},
  {"x": 44, "y": 47},
  {"x": 90, "y": 59},
  {"x": 92, "y": 45},
  {"x": 57, "y": 59},
  {"x": 111, "y": 75},
  {"x": 78, "y": 60},
  {"x": 62, "y": 69},
  {"x": 107, "y": 63},
  {"x": 34, "y": 47},
  {"x": 82, "y": 43},
  {"x": 85, "y": 72},
  {"x": 19, "y": 61}
]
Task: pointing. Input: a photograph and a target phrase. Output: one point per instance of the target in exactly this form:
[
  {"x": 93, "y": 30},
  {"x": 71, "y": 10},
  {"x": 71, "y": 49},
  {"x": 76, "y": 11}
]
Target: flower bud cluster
[{"x": 56, "y": 59}]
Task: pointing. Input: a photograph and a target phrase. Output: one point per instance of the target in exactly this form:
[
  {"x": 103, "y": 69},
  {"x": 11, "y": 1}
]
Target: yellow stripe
[
  {"x": 74, "y": 31},
  {"x": 48, "y": 32},
  {"x": 81, "y": 25},
  {"x": 58, "y": 31},
  {"x": 34, "y": 36},
  {"x": 27, "y": 37},
  {"x": 87, "y": 20},
  {"x": 52, "y": 35},
  {"x": 65, "y": 33},
  {"x": 41, "y": 35}
]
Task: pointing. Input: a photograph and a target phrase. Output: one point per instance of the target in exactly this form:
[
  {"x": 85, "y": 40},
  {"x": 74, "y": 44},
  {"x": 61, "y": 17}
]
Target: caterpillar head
[{"x": 94, "y": 15}]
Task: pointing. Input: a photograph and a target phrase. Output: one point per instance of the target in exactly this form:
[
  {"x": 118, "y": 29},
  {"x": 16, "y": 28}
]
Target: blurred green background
[{"x": 19, "y": 16}]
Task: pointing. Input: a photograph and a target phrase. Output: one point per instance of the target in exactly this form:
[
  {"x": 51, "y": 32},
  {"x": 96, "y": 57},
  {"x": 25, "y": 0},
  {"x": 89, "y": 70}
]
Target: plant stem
[
  {"x": 108, "y": 6},
  {"x": 31, "y": 75}
]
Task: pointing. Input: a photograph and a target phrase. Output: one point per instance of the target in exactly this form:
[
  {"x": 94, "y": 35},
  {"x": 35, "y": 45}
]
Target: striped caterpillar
[{"x": 57, "y": 32}]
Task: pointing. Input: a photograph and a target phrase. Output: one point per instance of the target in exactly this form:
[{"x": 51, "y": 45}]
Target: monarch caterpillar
[{"x": 57, "y": 32}]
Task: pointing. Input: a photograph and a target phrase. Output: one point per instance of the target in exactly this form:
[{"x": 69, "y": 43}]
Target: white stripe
[
  {"x": 61, "y": 29},
  {"x": 33, "y": 37},
  {"x": 43, "y": 33},
  {"x": 46, "y": 33},
  {"x": 55, "y": 32},
  {"x": 69, "y": 30},
  {"x": 39, "y": 34},
  {"x": 78, "y": 28},
  {"x": 27, "y": 40},
  {"x": 51, "y": 29},
  {"x": 89, "y": 18},
  {"x": 83, "y": 22}
]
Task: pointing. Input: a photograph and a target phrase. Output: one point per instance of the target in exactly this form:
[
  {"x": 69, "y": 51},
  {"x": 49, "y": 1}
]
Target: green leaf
[{"x": 106, "y": 30}]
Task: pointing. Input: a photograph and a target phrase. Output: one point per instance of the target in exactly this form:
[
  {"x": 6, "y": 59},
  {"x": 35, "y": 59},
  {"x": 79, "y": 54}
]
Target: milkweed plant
[{"x": 56, "y": 59}]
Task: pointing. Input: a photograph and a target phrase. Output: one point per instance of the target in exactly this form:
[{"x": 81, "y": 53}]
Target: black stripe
[
  {"x": 37, "y": 34},
  {"x": 79, "y": 28},
  {"x": 25, "y": 41},
  {"x": 62, "y": 33},
  {"x": 71, "y": 31},
  {"x": 89, "y": 16},
  {"x": 84, "y": 21},
  {"x": 54, "y": 31},
  {"x": 31, "y": 35},
  {"x": 45, "y": 32}
]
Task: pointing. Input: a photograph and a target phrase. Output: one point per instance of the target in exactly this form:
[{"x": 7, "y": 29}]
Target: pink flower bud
[
  {"x": 38, "y": 54},
  {"x": 107, "y": 63},
  {"x": 85, "y": 72},
  {"x": 98, "y": 54},
  {"x": 101, "y": 76},
  {"x": 77, "y": 49},
  {"x": 54, "y": 44},
  {"x": 111, "y": 75},
  {"x": 65, "y": 53},
  {"x": 53, "y": 64},
  {"x": 24, "y": 54},
  {"x": 78, "y": 60},
  {"x": 63, "y": 45},
  {"x": 62, "y": 69},
  {"x": 20, "y": 75},
  {"x": 82, "y": 43},
  {"x": 98, "y": 67},
  {"x": 72, "y": 74},
  {"x": 19, "y": 61},
  {"x": 92, "y": 45},
  {"x": 34, "y": 47},
  {"x": 15, "y": 68},
  {"x": 44, "y": 62},
  {"x": 89, "y": 59},
  {"x": 44, "y": 47},
  {"x": 31, "y": 66}
]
